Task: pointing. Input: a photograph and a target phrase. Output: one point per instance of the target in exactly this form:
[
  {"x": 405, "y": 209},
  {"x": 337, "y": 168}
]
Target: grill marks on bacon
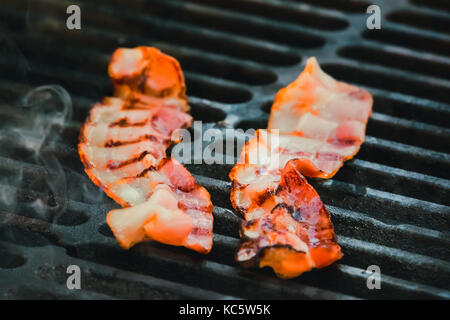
[
  {"x": 285, "y": 225},
  {"x": 330, "y": 117},
  {"x": 123, "y": 147},
  {"x": 316, "y": 124}
]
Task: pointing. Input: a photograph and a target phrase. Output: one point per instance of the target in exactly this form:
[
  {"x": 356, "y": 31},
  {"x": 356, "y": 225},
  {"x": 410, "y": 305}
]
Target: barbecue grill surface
[{"x": 390, "y": 205}]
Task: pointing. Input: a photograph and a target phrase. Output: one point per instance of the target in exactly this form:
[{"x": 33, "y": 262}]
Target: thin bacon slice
[
  {"x": 330, "y": 115},
  {"x": 123, "y": 148},
  {"x": 316, "y": 124},
  {"x": 286, "y": 226}
]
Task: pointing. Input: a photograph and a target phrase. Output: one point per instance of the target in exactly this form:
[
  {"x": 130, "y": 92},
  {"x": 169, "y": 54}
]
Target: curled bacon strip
[
  {"x": 123, "y": 148},
  {"x": 316, "y": 124},
  {"x": 329, "y": 117}
]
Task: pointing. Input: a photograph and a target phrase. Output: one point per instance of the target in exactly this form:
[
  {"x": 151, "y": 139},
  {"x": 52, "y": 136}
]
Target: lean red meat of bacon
[
  {"x": 123, "y": 147},
  {"x": 316, "y": 124}
]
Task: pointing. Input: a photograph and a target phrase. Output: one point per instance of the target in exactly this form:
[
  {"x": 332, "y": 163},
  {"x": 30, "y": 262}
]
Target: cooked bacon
[
  {"x": 330, "y": 115},
  {"x": 285, "y": 224},
  {"x": 123, "y": 147},
  {"x": 286, "y": 227},
  {"x": 316, "y": 124}
]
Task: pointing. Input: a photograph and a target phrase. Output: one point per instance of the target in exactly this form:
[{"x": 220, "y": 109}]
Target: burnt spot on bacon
[
  {"x": 262, "y": 197},
  {"x": 294, "y": 212},
  {"x": 124, "y": 122},
  {"x": 112, "y": 165}
]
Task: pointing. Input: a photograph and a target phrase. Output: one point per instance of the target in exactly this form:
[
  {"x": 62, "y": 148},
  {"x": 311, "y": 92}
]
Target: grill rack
[{"x": 390, "y": 205}]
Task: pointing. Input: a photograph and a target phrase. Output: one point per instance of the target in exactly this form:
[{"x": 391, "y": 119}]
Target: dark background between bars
[{"x": 390, "y": 205}]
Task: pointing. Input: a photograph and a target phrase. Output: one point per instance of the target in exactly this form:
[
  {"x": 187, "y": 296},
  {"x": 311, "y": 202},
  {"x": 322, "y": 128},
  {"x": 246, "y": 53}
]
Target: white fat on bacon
[{"x": 329, "y": 115}]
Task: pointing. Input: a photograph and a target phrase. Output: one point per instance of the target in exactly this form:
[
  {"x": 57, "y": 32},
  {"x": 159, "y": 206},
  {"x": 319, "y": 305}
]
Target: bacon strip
[
  {"x": 123, "y": 147},
  {"x": 329, "y": 115},
  {"x": 316, "y": 124}
]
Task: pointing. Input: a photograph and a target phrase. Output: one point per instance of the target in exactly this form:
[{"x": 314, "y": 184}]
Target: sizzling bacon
[
  {"x": 316, "y": 124},
  {"x": 123, "y": 147},
  {"x": 329, "y": 115},
  {"x": 286, "y": 226}
]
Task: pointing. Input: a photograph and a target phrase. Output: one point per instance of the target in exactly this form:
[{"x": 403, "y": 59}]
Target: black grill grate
[{"x": 390, "y": 205}]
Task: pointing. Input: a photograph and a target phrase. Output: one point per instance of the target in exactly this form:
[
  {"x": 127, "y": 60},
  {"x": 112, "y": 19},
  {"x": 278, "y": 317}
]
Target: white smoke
[{"x": 43, "y": 113}]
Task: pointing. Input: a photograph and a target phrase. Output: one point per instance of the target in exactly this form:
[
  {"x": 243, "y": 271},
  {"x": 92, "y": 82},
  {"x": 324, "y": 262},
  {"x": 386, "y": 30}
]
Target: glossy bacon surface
[
  {"x": 123, "y": 147},
  {"x": 329, "y": 115},
  {"x": 286, "y": 227},
  {"x": 316, "y": 124}
]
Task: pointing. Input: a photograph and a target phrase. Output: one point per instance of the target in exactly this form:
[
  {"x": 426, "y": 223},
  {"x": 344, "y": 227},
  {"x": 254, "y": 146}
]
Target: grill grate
[{"x": 390, "y": 205}]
